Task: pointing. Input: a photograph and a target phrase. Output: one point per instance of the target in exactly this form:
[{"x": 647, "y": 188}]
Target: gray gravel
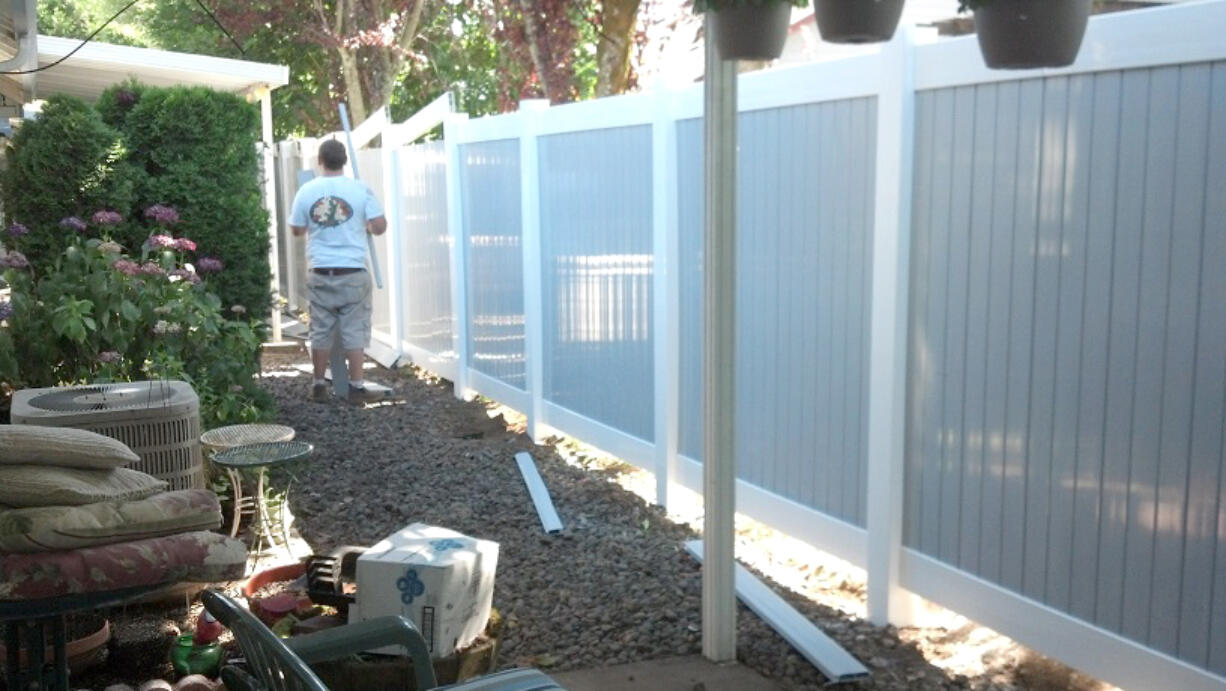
[{"x": 614, "y": 587}]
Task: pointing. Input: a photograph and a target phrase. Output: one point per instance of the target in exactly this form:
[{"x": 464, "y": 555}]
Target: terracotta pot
[
  {"x": 857, "y": 21},
  {"x": 751, "y": 32},
  {"x": 1024, "y": 34},
  {"x": 81, "y": 652},
  {"x": 259, "y": 579}
]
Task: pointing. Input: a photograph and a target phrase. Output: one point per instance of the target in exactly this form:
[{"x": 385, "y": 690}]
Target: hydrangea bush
[{"x": 97, "y": 313}]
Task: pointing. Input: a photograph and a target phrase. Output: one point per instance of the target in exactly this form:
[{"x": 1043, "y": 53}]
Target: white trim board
[
  {"x": 823, "y": 652},
  {"x": 550, "y": 522},
  {"x": 844, "y": 540},
  {"x": 497, "y": 390},
  {"x": 1095, "y": 651}
]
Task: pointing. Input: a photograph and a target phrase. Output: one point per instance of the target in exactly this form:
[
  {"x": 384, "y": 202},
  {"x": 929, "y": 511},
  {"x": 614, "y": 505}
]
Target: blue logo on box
[
  {"x": 410, "y": 586},
  {"x": 446, "y": 544}
]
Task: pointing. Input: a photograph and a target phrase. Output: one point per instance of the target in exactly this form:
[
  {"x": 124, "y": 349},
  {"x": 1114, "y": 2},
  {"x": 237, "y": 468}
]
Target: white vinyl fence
[{"x": 982, "y": 333}]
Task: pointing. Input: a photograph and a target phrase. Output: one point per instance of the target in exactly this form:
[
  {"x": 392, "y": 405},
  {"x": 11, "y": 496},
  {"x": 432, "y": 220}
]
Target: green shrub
[
  {"x": 196, "y": 150},
  {"x": 96, "y": 314},
  {"x": 66, "y": 163}
]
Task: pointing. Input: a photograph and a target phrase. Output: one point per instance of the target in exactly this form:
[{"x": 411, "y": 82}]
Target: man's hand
[{"x": 376, "y": 226}]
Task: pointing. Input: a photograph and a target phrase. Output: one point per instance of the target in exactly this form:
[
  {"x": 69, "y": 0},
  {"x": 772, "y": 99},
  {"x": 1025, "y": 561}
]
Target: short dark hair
[{"x": 332, "y": 155}]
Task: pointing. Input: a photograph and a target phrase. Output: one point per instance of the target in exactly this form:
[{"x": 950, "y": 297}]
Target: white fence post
[
  {"x": 666, "y": 289},
  {"x": 389, "y": 160},
  {"x": 534, "y": 305},
  {"x": 459, "y": 276},
  {"x": 887, "y": 602},
  {"x": 269, "y": 161}
]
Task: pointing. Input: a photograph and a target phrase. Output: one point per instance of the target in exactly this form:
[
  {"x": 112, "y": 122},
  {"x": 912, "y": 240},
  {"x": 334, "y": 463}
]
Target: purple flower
[
  {"x": 209, "y": 265},
  {"x": 6, "y": 310},
  {"x": 108, "y": 356},
  {"x": 16, "y": 230},
  {"x": 161, "y": 242},
  {"x": 185, "y": 245},
  {"x": 152, "y": 269},
  {"x": 161, "y": 214},
  {"x": 106, "y": 218},
  {"x": 126, "y": 267},
  {"x": 73, "y": 223},
  {"x": 125, "y": 97},
  {"x": 184, "y": 274},
  {"x": 14, "y": 260}
]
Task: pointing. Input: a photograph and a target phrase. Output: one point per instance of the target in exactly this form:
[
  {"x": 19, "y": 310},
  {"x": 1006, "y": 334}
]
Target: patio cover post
[
  {"x": 719, "y": 356},
  {"x": 270, "y": 204}
]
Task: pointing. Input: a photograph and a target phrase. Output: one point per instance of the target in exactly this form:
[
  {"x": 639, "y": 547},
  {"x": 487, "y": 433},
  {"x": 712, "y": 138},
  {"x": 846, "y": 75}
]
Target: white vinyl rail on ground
[{"x": 981, "y": 348}]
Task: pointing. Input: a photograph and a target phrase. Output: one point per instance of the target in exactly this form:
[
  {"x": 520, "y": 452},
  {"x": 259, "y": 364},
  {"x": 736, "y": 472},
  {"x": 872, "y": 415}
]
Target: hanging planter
[
  {"x": 857, "y": 21},
  {"x": 749, "y": 30},
  {"x": 1025, "y": 34}
]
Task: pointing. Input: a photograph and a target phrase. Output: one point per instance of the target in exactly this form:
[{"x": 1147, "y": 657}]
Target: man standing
[{"x": 337, "y": 212}]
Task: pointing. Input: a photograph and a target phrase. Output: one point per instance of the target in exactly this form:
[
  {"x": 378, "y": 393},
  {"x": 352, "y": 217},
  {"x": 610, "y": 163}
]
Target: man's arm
[
  {"x": 376, "y": 225},
  {"x": 298, "y": 230}
]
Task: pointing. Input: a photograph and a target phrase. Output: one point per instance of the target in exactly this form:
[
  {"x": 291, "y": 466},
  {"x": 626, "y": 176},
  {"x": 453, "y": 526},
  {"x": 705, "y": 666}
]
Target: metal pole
[{"x": 719, "y": 348}]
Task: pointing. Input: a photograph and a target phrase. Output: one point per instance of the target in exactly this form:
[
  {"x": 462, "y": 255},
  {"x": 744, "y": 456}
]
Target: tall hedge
[
  {"x": 190, "y": 148},
  {"x": 196, "y": 150},
  {"x": 66, "y": 163}
]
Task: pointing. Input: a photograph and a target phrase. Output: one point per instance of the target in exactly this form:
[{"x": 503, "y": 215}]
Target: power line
[
  {"x": 80, "y": 45},
  {"x": 223, "y": 29}
]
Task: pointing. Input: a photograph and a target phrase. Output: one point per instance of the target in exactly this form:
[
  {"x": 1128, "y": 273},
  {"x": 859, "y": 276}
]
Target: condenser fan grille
[{"x": 104, "y": 397}]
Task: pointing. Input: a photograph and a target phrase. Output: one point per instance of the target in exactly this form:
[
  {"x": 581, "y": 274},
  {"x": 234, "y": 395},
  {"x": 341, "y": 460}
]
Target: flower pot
[
  {"x": 857, "y": 21},
  {"x": 1024, "y": 34},
  {"x": 82, "y": 653},
  {"x": 751, "y": 32}
]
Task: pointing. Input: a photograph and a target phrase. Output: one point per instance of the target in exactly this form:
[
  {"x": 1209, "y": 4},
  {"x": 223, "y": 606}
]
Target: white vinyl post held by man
[{"x": 719, "y": 357}]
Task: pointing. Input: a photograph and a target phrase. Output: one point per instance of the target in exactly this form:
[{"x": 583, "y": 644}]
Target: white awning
[{"x": 97, "y": 66}]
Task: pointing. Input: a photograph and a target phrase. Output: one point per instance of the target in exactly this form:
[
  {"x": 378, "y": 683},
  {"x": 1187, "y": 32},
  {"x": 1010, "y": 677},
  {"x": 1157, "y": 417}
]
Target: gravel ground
[{"x": 616, "y": 586}]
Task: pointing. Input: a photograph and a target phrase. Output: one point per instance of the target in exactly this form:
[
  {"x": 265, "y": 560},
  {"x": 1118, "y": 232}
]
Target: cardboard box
[{"x": 440, "y": 579}]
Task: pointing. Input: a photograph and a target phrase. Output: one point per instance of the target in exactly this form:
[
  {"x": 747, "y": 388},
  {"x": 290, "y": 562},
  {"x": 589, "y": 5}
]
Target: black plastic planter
[
  {"x": 1023, "y": 34},
  {"x": 857, "y": 21},
  {"x": 751, "y": 32}
]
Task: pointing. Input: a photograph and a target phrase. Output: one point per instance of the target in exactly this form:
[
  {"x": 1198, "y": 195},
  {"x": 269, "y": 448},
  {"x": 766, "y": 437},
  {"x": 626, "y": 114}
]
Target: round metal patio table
[
  {"x": 258, "y": 458},
  {"x": 230, "y": 436}
]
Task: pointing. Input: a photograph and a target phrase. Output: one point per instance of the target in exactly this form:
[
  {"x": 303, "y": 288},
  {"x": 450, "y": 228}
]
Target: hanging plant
[
  {"x": 1025, "y": 34},
  {"x": 749, "y": 29},
  {"x": 857, "y": 21}
]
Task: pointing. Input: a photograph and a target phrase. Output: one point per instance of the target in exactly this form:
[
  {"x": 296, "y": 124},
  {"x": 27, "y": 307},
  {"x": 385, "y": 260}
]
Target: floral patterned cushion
[
  {"x": 201, "y": 556},
  {"x": 50, "y": 528}
]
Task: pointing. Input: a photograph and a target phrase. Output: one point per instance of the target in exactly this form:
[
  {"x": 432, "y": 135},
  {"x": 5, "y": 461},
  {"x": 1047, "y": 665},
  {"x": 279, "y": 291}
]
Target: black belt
[{"x": 327, "y": 271}]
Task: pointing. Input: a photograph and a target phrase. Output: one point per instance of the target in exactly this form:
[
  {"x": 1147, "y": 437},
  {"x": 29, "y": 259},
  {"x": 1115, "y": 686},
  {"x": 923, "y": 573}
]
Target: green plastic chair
[{"x": 274, "y": 664}]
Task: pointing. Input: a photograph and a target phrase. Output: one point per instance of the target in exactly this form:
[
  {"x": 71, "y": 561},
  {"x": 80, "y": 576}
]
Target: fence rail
[{"x": 981, "y": 343}]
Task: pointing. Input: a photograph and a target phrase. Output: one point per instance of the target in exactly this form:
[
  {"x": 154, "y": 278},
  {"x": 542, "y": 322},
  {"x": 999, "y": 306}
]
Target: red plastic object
[
  {"x": 208, "y": 629},
  {"x": 270, "y": 610}
]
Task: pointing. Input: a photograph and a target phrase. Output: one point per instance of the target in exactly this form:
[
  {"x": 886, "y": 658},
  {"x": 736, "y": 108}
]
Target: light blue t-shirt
[{"x": 335, "y": 210}]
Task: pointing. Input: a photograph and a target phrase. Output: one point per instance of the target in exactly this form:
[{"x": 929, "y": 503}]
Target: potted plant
[
  {"x": 857, "y": 21},
  {"x": 1023, "y": 34},
  {"x": 749, "y": 29}
]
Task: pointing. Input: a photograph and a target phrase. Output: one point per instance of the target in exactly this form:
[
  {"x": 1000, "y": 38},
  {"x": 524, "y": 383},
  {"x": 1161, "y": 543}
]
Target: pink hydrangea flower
[
  {"x": 152, "y": 269},
  {"x": 185, "y": 245},
  {"x": 161, "y": 242},
  {"x": 162, "y": 214},
  {"x": 126, "y": 267},
  {"x": 106, "y": 218},
  {"x": 209, "y": 265},
  {"x": 73, "y": 223}
]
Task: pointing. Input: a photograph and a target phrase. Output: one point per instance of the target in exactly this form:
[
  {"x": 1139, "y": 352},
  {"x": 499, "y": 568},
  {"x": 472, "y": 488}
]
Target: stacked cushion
[
  {"x": 62, "y": 446},
  {"x": 74, "y": 520},
  {"x": 46, "y": 528},
  {"x": 199, "y": 556}
]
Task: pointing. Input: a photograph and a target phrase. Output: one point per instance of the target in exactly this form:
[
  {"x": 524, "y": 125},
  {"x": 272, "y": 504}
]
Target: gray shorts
[{"x": 340, "y": 302}]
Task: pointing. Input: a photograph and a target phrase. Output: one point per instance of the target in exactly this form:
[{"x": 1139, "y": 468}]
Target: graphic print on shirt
[{"x": 329, "y": 212}]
